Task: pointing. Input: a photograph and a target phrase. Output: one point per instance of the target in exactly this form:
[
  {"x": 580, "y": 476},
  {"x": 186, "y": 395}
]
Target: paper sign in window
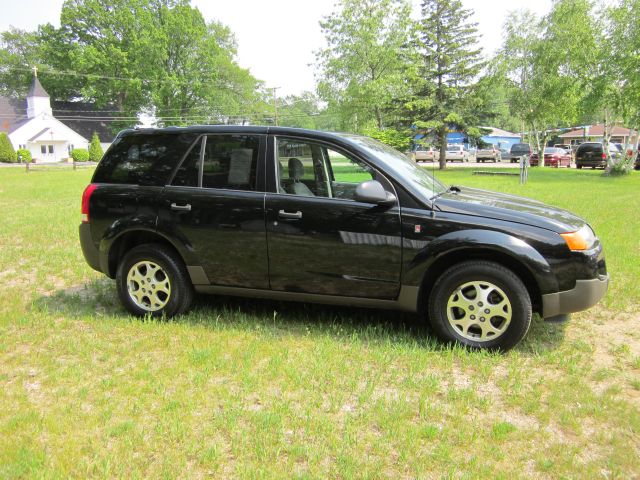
[{"x": 240, "y": 166}]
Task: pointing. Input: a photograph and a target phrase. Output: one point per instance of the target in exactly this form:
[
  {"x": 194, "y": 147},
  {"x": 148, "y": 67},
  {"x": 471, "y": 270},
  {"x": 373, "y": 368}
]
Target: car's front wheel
[
  {"x": 480, "y": 304},
  {"x": 152, "y": 279}
]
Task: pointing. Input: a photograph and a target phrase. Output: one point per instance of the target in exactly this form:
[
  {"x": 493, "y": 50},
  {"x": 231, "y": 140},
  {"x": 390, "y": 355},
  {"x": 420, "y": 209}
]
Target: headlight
[{"x": 583, "y": 239}]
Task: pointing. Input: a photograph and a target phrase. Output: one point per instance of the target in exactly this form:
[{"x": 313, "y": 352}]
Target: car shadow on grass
[{"x": 98, "y": 298}]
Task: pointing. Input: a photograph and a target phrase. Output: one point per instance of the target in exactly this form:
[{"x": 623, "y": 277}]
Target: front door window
[{"x": 315, "y": 170}]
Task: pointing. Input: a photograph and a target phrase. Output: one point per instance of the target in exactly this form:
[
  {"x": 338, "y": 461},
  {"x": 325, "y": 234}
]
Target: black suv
[
  {"x": 591, "y": 154},
  {"x": 329, "y": 218}
]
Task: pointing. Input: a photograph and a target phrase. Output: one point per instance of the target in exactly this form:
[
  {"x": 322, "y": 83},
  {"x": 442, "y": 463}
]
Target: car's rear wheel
[
  {"x": 480, "y": 304},
  {"x": 579, "y": 167},
  {"x": 152, "y": 280}
]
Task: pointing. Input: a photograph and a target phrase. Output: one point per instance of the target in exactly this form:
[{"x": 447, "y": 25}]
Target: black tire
[
  {"x": 579, "y": 167},
  {"x": 181, "y": 291},
  {"x": 497, "y": 276}
]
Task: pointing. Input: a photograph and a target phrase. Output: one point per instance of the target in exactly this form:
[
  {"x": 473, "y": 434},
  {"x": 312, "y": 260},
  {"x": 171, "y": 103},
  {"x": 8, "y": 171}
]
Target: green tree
[
  {"x": 301, "y": 111},
  {"x": 624, "y": 47},
  {"x": 363, "y": 70},
  {"x": 133, "y": 55},
  {"x": 548, "y": 61},
  {"x": 398, "y": 139},
  {"x": 7, "y": 153},
  {"x": 450, "y": 60},
  {"x": 18, "y": 50},
  {"x": 95, "y": 148}
]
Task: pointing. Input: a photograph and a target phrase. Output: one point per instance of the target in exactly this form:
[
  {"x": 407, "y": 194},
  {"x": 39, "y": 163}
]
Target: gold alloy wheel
[
  {"x": 148, "y": 286},
  {"x": 479, "y": 311}
]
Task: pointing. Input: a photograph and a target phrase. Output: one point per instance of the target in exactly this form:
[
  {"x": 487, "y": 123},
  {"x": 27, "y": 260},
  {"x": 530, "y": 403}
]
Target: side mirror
[{"x": 372, "y": 191}]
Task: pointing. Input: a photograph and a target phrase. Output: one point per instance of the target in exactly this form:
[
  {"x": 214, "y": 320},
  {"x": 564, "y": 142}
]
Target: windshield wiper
[{"x": 451, "y": 189}]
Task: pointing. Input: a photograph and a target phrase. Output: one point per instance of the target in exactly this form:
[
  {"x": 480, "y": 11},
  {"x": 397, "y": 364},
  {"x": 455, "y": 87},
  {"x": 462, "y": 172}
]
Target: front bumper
[{"x": 585, "y": 295}]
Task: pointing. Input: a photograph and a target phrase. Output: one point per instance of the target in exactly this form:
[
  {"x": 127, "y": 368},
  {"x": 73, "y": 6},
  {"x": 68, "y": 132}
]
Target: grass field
[{"x": 258, "y": 389}]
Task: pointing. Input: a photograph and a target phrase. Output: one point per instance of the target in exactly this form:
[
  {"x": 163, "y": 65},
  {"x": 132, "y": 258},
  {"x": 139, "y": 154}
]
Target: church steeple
[{"x": 38, "y": 99}]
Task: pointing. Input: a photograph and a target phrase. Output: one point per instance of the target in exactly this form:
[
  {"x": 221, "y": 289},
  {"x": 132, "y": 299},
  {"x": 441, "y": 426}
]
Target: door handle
[
  {"x": 181, "y": 208},
  {"x": 283, "y": 214}
]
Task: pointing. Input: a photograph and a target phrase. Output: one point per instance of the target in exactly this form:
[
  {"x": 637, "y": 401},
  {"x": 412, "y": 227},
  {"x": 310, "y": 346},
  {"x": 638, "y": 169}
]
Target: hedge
[
  {"x": 24, "y": 155},
  {"x": 80, "y": 155}
]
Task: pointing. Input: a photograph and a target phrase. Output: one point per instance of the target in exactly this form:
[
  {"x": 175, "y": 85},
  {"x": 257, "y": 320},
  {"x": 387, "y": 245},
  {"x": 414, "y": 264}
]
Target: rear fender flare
[{"x": 135, "y": 225}]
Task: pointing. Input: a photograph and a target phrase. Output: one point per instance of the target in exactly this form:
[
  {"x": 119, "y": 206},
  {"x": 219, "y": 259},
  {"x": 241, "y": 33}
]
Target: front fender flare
[{"x": 478, "y": 241}]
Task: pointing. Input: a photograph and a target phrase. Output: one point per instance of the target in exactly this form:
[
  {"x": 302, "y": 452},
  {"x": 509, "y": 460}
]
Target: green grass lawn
[{"x": 241, "y": 388}]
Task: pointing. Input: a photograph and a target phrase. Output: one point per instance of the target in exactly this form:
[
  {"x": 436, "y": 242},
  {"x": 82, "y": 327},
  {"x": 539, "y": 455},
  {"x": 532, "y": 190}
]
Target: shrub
[
  {"x": 80, "y": 155},
  {"x": 622, "y": 166},
  {"x": 24, "y": 154},
  {"x": 95, "y": 149},
  {"x": 7, "y": 153}
]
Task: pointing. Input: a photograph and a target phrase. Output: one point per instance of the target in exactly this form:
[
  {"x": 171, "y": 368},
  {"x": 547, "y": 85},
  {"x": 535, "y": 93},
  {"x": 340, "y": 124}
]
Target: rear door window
[
  {"x": 188, "y": 175},
  {"x": 143, "y": 159},
  {"x": 230, "y": 162}
]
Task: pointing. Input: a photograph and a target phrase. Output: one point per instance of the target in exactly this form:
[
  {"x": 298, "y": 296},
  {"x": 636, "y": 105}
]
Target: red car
[{"x": 553, "y": 157}]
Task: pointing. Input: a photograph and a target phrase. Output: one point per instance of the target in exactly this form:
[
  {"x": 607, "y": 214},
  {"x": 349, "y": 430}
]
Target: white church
[{"x": 39, "y": 131}]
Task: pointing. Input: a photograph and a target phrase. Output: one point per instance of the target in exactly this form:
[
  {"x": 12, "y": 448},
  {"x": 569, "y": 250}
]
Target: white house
[
  {"x": 48, "y": 139},
  {"x": 38, "y": 129}
]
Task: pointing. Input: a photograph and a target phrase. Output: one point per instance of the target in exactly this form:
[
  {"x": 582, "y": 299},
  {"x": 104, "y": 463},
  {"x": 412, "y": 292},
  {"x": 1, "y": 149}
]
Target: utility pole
[{"x": 275, "y": 103}]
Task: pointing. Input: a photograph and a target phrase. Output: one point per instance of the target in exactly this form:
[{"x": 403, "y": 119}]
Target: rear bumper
[
  {"x": 89, "y": 249},
  {"x": 585, "y": 295},
  {"x": 591, "y": 163}
]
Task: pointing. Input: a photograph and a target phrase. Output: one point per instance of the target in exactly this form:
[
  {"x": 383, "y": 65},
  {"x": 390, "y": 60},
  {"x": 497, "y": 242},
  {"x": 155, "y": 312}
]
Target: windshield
[
  {"x": 453, "y": 149},
  {"x": 551, "y": 150},
  {"x": 416, "y": 178}
]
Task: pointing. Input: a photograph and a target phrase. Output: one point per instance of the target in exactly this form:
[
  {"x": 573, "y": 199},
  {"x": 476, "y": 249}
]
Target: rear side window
[{"x": 143, "y": 159}]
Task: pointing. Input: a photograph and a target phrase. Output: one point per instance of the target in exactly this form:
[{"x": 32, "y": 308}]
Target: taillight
[
  {"x": 604, "y": 156},
  {"x": 86, "y": 196}
]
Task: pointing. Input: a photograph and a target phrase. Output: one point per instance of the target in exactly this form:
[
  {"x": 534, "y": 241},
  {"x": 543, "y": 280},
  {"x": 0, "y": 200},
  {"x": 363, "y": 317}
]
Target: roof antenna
[{"x": 433, "y": 176}]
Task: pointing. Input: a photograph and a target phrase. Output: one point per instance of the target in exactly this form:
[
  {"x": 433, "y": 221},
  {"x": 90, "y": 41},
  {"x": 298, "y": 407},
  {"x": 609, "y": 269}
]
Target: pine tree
[
  {"x": 7, "y": 153},
  {"x": 95, "y": 149},
  {"x": 451, "y": 59}
]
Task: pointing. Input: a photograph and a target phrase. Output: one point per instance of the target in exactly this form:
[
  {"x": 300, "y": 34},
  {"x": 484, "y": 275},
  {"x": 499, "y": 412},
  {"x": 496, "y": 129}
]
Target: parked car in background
[
  {"x": 553, "y": 157},
  {"x": 424, "y": 154},
  {"x": 489, "y": 153},
  {"x": 341, "y": 219},
  {"x": 505, "y": 154},
  {"x": 636, "y": 165},
  {"x": 568, "y": 148},
  {"x": 564, "y": 146},
  {"x": 518, "y": 150},
  {"x": 592, "y": 154},
  {"x": 457, "y": 153}
]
